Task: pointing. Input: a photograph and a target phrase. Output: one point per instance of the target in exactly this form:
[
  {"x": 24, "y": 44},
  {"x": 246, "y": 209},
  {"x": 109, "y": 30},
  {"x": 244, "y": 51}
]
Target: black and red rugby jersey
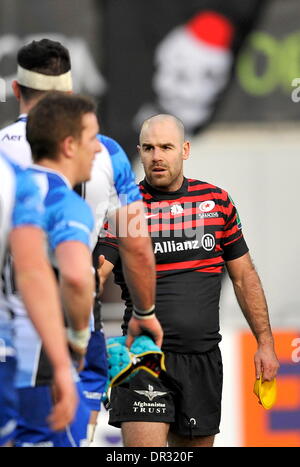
[{"x": 194, "y": 231}]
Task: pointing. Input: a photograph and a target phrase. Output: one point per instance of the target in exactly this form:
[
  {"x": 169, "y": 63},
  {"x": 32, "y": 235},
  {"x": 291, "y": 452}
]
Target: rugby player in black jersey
[{"x": 196, "y": 233}]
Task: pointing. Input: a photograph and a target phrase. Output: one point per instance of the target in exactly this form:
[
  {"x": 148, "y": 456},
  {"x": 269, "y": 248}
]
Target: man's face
[
  {"x": 162, "y": 151},
  {"x": 87, "y": 146}
]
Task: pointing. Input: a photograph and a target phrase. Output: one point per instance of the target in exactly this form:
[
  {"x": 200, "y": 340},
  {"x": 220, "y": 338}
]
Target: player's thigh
[
  {"x": 176, "y": 441},
  {"x": 8, "y": 394},
  {"x": 145, "y": 434}
]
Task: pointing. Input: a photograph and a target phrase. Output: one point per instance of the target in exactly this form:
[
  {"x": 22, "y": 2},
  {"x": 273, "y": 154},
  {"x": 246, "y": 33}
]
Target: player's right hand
[
  {"x": 77, "y": 355},
  {"x": 65, "y": 399},
  {"x": 150, "y": 326}
]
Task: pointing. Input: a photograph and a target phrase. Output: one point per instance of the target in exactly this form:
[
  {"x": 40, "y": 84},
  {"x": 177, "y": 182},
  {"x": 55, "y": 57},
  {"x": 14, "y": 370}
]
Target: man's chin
[
  {"x": 85, "y": 179},
  {"x": 159, "y": 182}
]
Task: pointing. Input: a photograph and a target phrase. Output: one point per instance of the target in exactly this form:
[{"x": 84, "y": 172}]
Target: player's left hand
[
  {"x": 150, "y": 327},
  {"x": 65, "y": 400},
  {"x": 266, "y": 362}
]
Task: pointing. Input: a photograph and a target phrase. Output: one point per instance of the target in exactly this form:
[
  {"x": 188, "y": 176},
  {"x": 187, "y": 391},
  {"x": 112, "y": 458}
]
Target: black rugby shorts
[{"x": 188, "y": 397}]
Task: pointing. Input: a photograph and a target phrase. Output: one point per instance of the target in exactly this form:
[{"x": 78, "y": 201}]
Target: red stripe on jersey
[
  {"x": 189, "y": 264},
  {"x": 206, "y": 197},
  {"x": 228, "y": 233},
  {"x": 217, "y": 269},
  {"x": 165, "y": 216},
  {"x": 186, "y": 199},
  {"x": 234, "y": 240},
  {"x": 111, "y": 244},
  {"x": 110, "y": 235},
  {"x": 184, "y": 225},
  {"x": 146, "y": 195},
  {"x": 166, "y": 203},
  {"x": 203, "y": 186}
]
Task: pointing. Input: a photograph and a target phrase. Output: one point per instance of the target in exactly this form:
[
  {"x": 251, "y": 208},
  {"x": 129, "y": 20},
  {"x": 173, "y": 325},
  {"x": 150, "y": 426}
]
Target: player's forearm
[
  {"x": 40, "y": 295},
  {"x": 77, "y": 297},
  {"x": 139, "y": 270},
  {"x": 251, "y": 298}
]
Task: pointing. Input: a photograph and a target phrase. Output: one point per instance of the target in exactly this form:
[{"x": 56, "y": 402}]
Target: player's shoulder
[
  {"x": 12, "y": 132},
  {"x": 21, "y": 174},
  {"x": 13, "y": 141},
  {"x": 54, "y": 187},
  {"x": 72, "y": 203},
  {"x": 109, "y": 143},
  {"x": 202, "y": 187},
  {"x": 116, "y": 152},
  {"x": 5, "y": 160}
]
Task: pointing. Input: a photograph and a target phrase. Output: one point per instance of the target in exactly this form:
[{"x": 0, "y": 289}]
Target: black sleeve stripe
[{"x": 235, "y": 249}]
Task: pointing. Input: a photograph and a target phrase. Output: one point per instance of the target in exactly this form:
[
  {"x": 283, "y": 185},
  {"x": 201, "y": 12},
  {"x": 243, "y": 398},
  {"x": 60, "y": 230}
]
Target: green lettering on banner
[
  {"x": 282, "y": 63},
  {"x": 290, "y": 60},
  {"x": 259, "y": 85}
]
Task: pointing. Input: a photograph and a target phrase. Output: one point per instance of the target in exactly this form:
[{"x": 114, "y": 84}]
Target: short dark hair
[
  {"x": 48, "y": 57},
  {"x": 55, "y": 117}
]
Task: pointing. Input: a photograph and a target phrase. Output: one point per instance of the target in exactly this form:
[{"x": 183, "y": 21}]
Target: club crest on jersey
[
  {"x": 176, "y": 209},
  {"x": 207, "y": 206}
]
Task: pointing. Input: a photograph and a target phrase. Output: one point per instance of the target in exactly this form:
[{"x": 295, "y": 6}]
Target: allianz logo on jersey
[
  {"x": 208, "y": 242},
  {"x": 172, "y": 246}
]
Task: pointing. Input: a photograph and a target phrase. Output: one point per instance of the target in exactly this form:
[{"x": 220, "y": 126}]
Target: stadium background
[{"x": 247, "y": 141}]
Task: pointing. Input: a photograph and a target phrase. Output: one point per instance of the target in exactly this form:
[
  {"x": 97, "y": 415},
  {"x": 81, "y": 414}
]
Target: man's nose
[{"x": 156, "y": 154}]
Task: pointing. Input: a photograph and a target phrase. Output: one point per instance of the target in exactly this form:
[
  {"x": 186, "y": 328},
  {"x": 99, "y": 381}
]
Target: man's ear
[
  {"x": 186, "y": 150},
  {"x": 16, "y": 90},
  {"x": 68, "y": 147}
]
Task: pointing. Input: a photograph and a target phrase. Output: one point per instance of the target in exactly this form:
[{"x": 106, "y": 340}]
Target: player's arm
[
  {"x": 135, "y": 247},
  {"x": 77, "y": 285},
  {"x": 137, "y": 255},
  {"x": 37, "y": 285},
  {"x": 251, "y": 298},
  {"x": 104, "y": 270},
  {"x": 70, "y": 223},
  {"x": 138, "y": 262}
]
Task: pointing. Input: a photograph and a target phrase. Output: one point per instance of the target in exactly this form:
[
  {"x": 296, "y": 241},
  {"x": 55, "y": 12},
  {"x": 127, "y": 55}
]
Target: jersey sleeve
[
  {"x": 28, "y": 209},
  {"x": 107, "y": 245},
  {"x": 233, "y": 242},
  {"x": 124, "y": 180},
  {"x": 69, "y": 218}
]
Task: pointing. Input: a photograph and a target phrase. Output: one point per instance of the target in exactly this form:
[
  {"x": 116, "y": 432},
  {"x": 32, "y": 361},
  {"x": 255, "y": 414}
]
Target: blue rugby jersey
[
  {"x": 20, "y": 204},
  {"x": 67, "y": 217}
]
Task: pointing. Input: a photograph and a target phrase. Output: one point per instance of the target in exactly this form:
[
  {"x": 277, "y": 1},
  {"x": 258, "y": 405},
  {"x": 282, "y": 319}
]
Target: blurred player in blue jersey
[
  {"x": 62, "y": 131},
  {"x": 44, "y": 66},
  {"x": 21, "y": 216}
]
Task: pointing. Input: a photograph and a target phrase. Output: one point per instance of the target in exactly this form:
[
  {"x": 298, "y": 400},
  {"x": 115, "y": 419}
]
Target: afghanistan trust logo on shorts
[
  {"x": 151, "y": 394},
  {"x": 152, "y": 407}
]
